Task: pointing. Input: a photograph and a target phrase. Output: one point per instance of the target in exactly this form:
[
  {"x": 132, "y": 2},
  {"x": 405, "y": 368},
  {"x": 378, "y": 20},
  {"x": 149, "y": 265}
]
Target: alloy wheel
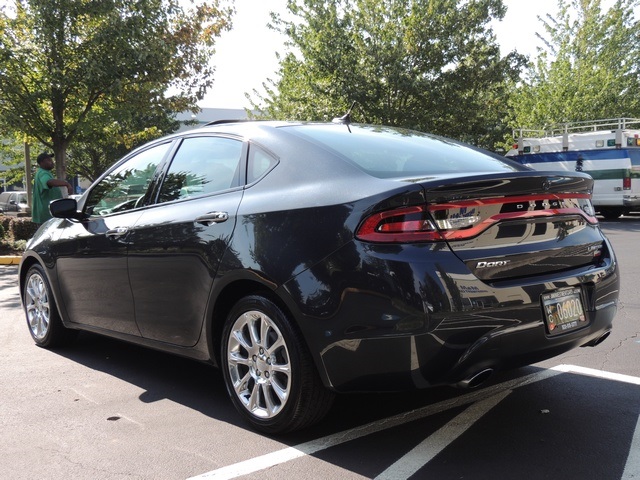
[
  {"x": 259, "y": 364},
  {"x": 37, "y": 306}
]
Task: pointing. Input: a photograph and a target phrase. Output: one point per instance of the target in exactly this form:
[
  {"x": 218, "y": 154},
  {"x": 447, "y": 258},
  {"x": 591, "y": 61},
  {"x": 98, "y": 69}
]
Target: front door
[{"x": 92, "y": 254}]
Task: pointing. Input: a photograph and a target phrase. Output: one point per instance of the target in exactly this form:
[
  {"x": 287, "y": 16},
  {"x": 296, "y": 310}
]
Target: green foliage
[
  {"x": 22, "y": 228},
  {"x": 432, "y": 65},
  {"x": 588, "y": 68},
  {"x": 69, "y": 69},
  {"x": 11, "y": 156},
  {"x": 14, "y": 233},
  {"x": 116, "y": 133}
]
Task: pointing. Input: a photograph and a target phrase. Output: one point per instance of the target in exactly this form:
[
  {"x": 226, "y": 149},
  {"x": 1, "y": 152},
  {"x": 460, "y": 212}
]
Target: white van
[{"x": 608, "y": 150}]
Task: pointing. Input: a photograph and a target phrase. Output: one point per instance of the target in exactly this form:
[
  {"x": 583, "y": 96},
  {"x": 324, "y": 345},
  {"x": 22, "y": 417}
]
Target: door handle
[
  {"x": 117, "y": 232},
  {"x": 212, "y": 217}
]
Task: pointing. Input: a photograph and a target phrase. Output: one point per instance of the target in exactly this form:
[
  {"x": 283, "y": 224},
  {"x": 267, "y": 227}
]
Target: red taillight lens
[
  {"x": 467, "y": 219},
  {"x": 410, "y": 224},
  {"x": 626, "y": 183}
]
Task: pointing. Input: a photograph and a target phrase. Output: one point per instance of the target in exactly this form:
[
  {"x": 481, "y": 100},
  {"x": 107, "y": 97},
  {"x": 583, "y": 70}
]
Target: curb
[{"x": 9, "y": 260}]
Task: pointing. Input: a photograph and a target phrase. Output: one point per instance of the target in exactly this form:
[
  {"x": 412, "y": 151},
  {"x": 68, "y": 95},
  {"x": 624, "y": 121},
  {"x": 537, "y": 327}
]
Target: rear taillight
[
  {"x": 467, "y": 219},
  {"x": 626, "y": 183},
  {"x": 402, "y": 225}
]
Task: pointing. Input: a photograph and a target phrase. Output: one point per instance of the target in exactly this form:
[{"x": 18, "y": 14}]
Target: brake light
[
  {"x": 626, "y": 183},
  {"x": 467, "y": 219},
  {"x": 403, "y": 225}
]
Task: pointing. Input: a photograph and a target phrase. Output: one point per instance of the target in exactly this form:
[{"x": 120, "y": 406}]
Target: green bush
[
  {"x": 14, "y": 233},
  {"x": 23, "y": 228},
  {"x": 5, "y": 221}
]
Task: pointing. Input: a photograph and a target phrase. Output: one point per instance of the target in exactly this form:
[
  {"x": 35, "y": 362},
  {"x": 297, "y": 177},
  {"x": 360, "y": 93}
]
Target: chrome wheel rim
[
  {"x": 37, "y": 306},
  {"x": 259, "y": 365}
]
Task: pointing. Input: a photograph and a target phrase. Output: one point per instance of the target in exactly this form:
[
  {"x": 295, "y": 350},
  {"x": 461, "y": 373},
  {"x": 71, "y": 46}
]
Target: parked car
[
  {"x": 311, "y": 259},
  {"x": 13, "y": 202}
]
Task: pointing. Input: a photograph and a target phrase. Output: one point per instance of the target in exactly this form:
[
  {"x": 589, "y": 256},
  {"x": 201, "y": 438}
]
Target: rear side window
[
  {"x": 260, "y": 162},
  {"x": 202, "y": 165},
  {"x": 388, "y": 152}
]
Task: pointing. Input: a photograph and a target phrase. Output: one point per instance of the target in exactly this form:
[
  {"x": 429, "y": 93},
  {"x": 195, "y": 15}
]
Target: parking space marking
[
  {"x": 618, "y": 377},
  {"x": 262, "y": 462},
  {"x": 438, "y": 441},
  {"x": 498, "y": 391},
  {"x": 632, "y": 467}
]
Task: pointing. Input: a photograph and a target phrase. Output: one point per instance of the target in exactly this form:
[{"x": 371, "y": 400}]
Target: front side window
[
  {"x": 124, "y": 188},
  {"x": 201, "y": 166}
]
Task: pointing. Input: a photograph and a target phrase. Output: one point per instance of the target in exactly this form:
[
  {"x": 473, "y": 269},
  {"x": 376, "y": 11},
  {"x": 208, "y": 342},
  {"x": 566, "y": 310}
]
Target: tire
[
  {"x": 611, "y": 213},
  {"x": 268, "y": 371},
  {"x": 43, "y": 319}
]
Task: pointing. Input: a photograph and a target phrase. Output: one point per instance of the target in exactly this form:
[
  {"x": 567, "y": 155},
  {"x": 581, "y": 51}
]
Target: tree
[
  {"x": 70, "y": 68},
  {"x": 12, "y": 158},
  {"x": 588, "y": 68},
  {"x": 115, "y": 129},
  {"x": 433, "y": 65}
]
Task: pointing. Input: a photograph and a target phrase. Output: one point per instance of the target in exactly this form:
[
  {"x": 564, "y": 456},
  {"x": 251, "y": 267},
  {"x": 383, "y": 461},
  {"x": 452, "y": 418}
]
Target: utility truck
[{"x": 608, "y": 150}]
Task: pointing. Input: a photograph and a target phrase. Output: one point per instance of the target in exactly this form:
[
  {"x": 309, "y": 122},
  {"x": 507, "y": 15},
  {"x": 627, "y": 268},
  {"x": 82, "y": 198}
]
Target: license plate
[{"x": 563, "y": 310}]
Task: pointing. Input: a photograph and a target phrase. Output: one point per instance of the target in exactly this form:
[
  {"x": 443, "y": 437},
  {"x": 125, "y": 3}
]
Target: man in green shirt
[{"x": 45, "y": 189}]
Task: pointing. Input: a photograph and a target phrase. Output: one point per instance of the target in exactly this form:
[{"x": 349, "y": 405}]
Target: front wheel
[
  {"x": 268, "y": 372},
  {"x": 43, "y": 319}
]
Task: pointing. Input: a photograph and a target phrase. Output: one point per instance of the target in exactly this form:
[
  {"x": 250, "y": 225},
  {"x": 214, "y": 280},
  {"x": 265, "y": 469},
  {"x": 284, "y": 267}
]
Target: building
[{"x": 207, "y": 115}]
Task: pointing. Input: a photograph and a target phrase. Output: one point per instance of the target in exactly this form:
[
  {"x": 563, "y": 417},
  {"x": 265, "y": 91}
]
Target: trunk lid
[{"x": 506, "y": 226}]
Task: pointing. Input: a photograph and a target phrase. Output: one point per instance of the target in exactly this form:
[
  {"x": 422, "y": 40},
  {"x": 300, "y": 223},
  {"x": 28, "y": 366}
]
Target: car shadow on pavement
[
  {"x": 565, "y": 422},
  {"x": 162, "y": 376}
]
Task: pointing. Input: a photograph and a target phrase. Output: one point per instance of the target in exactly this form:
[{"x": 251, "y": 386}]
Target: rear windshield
[{"x": 388, "y": 152}]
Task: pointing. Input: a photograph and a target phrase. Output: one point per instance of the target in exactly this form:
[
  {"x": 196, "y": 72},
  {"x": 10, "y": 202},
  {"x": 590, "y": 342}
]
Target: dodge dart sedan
[{"x": 306, "y": 260}]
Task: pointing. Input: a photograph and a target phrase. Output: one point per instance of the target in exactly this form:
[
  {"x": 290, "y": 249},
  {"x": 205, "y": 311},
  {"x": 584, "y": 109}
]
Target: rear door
[{"x": 176, "y": 246}]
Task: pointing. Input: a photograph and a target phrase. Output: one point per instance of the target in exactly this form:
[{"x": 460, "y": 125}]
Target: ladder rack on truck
[{"x": 607, "y": 149}]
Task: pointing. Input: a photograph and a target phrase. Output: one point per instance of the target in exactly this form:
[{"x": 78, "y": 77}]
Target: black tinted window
[
  {"x": 201, "y": 166},
  {"x": 125, "y": 187},
  {"x": 388, "y": 152}
]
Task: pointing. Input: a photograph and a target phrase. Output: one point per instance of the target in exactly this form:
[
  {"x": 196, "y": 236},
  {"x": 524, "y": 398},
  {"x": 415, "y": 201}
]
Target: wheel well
[
  {"x": 26, "y": 265},
  {"x": 225, "y": 301}
]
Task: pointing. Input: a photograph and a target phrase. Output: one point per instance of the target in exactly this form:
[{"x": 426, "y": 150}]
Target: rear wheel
[
  {"x": 43, "y": 319},
  {"x": 268, "y": 372}
]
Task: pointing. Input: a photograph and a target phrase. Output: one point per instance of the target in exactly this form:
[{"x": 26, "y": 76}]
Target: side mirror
[{"x": 65, "y": 208}]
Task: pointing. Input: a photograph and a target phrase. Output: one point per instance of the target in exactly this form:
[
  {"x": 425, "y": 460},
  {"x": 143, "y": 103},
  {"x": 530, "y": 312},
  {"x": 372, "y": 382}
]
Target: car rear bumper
[
  {"x": 631, "y": 201},
  {"x": 400, "y": 333},
  {"x": 414, "y": 362}
]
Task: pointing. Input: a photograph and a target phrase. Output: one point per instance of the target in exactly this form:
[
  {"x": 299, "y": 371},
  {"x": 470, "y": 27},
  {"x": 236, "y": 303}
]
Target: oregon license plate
[{"x": 563, "y": 310}]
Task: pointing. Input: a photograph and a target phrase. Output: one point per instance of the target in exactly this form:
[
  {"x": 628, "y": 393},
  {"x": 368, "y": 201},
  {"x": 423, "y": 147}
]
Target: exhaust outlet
[
  {"x": 476, "y": 379},
  {"x": 598, "y": 340}
]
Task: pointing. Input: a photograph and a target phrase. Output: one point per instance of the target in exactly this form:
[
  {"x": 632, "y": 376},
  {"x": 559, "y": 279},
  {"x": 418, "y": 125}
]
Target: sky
[{"x": 246, "y": 56}]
